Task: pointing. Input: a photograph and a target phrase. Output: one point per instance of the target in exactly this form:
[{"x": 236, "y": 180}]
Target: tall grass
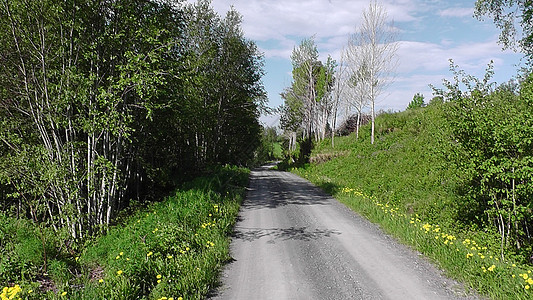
[
  {"x": 402, "y": 183},
  {"x": 171, "y": 249}
]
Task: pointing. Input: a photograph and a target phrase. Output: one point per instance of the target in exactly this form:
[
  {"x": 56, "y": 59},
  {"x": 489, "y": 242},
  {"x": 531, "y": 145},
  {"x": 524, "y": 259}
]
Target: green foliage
[
  {"x": 417, "y": 102},
  {"x": 408, "y": 182},
  {"x": 109, "y": 112},
  {"x": 506, "y": 14},
  {"x": 308, "y": 103},
  {"x": 493, "y": 131},
  {"x": 109, "y": 104},
  {"x": 270, "y": 148},
  {"x": 173, "y": 248}
]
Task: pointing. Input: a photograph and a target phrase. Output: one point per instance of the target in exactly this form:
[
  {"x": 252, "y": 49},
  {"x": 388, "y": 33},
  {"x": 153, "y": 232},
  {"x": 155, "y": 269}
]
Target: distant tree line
[
  {"x": 321, "y": 90},
  {"x": 102, "y": 102}
]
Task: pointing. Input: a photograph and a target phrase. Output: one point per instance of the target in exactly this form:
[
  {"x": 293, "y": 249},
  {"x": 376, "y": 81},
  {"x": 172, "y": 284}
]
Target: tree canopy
[{"x": 106, "y": 102}]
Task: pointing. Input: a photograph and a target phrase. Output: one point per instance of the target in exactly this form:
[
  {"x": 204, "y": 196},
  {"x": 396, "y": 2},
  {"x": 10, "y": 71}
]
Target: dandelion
[
  {"x": 77, "y": 258},
  {"x": 527, "y": 287},
  {"x": 469, "y": 255},
  {"x": 530, "y": 281},
  {"x": 101, "y": 280},
  {"x": 63, "y": 294},
  {"x": 149, "y": 254},
  {"x": 491, "y": 268},
  {"x": 119, "y": 272},
  {"x": 169, "y": 256},
  {"x": 118, "y": 256},
  {"x": 121, "y": 253},
  {"x": 159, "y": 281},
  {"x": 158, "y": 276}
]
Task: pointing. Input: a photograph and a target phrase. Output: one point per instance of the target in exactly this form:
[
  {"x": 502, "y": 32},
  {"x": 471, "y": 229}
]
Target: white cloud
[
  {"x": 457, "y": 12},
  {"x": 431, "y": 25},
  {"x": 431, "y": 57}
]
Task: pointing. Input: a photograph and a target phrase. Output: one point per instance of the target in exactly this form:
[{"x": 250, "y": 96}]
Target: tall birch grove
[
  {"x": 107, "y": 102},
  {"x": 372, "y": 57}
]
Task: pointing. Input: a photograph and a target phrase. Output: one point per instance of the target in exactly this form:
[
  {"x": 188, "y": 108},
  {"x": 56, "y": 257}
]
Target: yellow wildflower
[
  {"x": 158, "y": 276},
  {"x": 63, "y": 294},
  {"x": 150, "y": 253},
  {"x": 119, "y": 272},
  {"x": 491, "y": 268}
]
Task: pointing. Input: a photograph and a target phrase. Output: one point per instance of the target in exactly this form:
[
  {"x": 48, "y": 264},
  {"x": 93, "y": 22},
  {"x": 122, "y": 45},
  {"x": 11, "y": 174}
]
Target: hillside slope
[{"x": 406, "y": 183}]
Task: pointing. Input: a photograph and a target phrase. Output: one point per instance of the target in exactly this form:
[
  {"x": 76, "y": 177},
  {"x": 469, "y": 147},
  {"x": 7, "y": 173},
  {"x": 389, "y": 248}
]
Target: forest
[
  {"x": 105, "y": 102},
  {"x": 108, "y": 106}
]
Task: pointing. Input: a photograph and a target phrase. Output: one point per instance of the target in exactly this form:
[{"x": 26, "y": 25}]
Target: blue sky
[{"x": 430, "y": 33}]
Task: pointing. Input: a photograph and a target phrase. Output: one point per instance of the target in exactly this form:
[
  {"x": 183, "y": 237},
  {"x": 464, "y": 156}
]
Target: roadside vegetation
[
  {"x": 451, "y": 179},
  {"x": 109, "y": 110},
  {"x": 173, "y": 248}
]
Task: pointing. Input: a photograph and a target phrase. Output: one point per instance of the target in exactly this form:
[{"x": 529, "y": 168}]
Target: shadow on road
[
  {"x": 292, "y": 233},
  {"x": 272, "y": 189}
]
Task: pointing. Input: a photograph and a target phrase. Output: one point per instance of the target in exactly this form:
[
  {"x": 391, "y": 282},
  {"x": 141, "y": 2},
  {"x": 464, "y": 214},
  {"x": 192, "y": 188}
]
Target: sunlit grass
[
  {"x": 402, "y": 184},
  {"x": 173, "y": 249}
]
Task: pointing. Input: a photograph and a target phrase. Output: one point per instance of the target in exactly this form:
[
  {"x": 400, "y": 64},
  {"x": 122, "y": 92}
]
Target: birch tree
[
  {"x": 338, "y": 91},
  {"x": 373, "y": 49}
]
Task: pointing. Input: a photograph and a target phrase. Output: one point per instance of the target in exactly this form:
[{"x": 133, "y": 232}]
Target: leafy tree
[
  {"x": 417, "y": 102},
  {"x": 506, "y": 14},
  {"x": 100, "y": 104},
  {"x": 492, "y": 134},
  {"x": 309, "y": 104}
]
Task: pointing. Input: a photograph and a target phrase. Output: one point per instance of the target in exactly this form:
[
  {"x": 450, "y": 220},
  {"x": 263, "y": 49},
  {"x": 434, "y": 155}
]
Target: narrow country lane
[{"x": 292, "y": 241}]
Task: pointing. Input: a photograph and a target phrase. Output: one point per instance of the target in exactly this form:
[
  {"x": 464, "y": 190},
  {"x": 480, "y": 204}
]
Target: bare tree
[
  {"x": 372, "y": 53},
  {"x": 338, "y": 92}
]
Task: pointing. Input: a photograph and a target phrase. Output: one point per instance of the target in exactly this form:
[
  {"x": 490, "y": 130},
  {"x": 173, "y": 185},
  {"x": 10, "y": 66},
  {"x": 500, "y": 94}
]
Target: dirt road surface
[{"x": 292, "y": 241}]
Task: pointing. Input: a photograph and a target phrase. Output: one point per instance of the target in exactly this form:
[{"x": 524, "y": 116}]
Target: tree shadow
[
  {"x": 272, "y": 189},
  {"x": 329, "y": 187},
  {"x": 291, "y": 233}
]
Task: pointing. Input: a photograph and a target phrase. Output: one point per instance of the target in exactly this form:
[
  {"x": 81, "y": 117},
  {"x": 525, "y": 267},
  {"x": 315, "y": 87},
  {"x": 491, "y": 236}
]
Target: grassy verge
[
  {"x": 401, "y": 184},
  {"x": 171, "y": 249}
]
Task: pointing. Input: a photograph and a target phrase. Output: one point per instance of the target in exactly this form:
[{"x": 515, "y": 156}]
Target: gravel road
[{"x": 292, "y": 241}]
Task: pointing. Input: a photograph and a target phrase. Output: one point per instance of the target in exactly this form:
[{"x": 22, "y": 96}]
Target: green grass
[
  {"x": 174, "y": 248},
  {"x": 402, "y": 183},
  {"x": 278, "y": 151}
]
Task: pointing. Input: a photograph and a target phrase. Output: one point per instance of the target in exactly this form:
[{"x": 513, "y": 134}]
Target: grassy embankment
[
  {"x": 402, "y": 182},
  {"x": 170, "y": 249}
]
